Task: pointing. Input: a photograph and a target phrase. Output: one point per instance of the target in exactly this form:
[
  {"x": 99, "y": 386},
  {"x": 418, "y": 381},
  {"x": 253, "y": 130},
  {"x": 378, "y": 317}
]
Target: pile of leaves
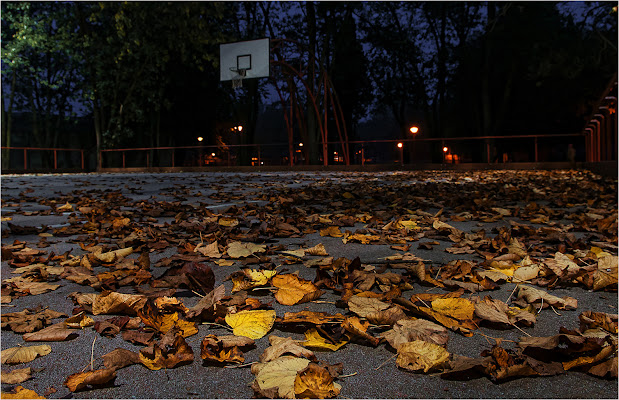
[{"x": 555, "y": 230}]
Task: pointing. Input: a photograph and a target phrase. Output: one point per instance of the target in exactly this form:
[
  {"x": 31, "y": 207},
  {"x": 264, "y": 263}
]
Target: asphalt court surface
[{"x": 569, "y": 202}]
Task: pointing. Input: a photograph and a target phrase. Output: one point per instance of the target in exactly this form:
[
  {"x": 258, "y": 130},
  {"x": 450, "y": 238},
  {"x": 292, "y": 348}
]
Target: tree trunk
[
  {"x": 312, "y": 132},
  {"x": 8, "y": 122}
]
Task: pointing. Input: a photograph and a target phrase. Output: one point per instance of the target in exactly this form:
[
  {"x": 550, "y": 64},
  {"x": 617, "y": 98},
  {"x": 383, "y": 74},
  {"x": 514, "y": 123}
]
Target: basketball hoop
[{"x": 237, "y": 80}]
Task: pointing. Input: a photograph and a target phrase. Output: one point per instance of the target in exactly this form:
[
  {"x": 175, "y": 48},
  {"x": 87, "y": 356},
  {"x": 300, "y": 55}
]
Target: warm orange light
[
  {"x": 200, "y": 138},
  {"x": 400, "y": 145},
  {"x": 212, "y": 154},
  {"x": 300, "y": 144},
  {"x": 240, "y": 128},
  {"x": 445, "y": 149},
  {"x": 414, "y": 129}
]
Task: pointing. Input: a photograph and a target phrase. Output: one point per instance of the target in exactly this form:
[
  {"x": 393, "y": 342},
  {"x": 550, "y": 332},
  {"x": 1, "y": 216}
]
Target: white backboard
[{"x": 252, "y": 55}]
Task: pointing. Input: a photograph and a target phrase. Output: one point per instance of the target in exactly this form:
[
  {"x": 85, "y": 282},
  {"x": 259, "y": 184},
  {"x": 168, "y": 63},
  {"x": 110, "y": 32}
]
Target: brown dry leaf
[
  {"x": 592, "y": 320},
  {"x": 318, "y": 250},
  {"x": 253, "y": 324},
  {"x": 79, "y": 321},
  {"x": 19, "y": 355},
  {"x": 243, "y": 249},
  {"x": 493, "y": 311},
  {"x": 171, "y": 351},
  {"x": 164, "y": 322},
  {"x": 455, "y": 307},
  {"x": 98, "y": 377},
  {"x": 275, "y": 379},
  {"x": 21, "y": 393},
  {"x": 606, "y": 369},
  {"x": 589, "y": 360},
  {"x": 364, "y": 306},
  {"x": 357, "y": 329},
  {"x": 120, "y": 358},
  {"x": 530, "y": 295},
  {"x": 206, "y": 305},
  {"x": 420, "y": 355},
  {"x": 112, "y": 256},
  {"x": 464, "y": 327},
  {"x": 294, "y": 290},
  {"x": 16, "y": 376},
  {"x": 117, "y": 303},
  {"x": 310, "y": 317},
  {"x": 332, "y": 231},
  {"x": 29, "y": 320},
  {"x": 408, "y": 330},
  {"x": 315, "y": 382},
  {"x": 26, "y": 286},
  {"x": 280, "y": 346},
  {"x": 53, "y": 333},
  {"x": 224, "y": 348}
]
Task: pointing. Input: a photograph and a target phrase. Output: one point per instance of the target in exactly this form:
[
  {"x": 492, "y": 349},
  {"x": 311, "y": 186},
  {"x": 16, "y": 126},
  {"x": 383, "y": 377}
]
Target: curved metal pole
[
  {"x": 588, "y": 144},
  {"x": 596, "y": 139}
]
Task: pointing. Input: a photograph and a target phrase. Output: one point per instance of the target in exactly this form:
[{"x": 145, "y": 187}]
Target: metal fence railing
[
  {"x": 486, "y": 149},
  {"x": 43, "y": 158}
]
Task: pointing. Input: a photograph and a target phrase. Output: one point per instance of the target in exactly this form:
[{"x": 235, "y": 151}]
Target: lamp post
[
  {"x": 414, "y": 130},
  {"x": 200, "y": 163},
  {"x": 401, "y": 147},
  {"x": 445, "y": 150}
]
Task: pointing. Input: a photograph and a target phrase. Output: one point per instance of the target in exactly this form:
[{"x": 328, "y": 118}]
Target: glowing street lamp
[
  {"x": 401, "y": 147},
  {"x": 240, "y": 128},
  {"x": 200, "y": 138},
  {"x": 445, "y": 149},
  {"x": 300, "y": 144},
  {"x": 414, "y": 129}
]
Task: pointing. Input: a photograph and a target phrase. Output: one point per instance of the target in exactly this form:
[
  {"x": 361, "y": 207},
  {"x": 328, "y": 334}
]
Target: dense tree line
[{"x": 147, "y": 73}]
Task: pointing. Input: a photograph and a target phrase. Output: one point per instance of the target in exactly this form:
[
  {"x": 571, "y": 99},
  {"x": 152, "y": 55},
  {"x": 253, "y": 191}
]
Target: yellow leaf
[
  {"x": 226, "y": 221},
  {"x": 210, "y": 250},
  {"x": 16, "y": 376},
  {"x": 224, "y": 263},
  {"x": 420, "y": 355},
  {"x": 112, "y": 256},
  {"x": 455, "y": 307},
  {"x": 24, "y": 354},
  {"x": 251, "y": 278},
  {"x": 313, "y": 339},
  {"x": 253, "y": 324},
  {"x": 318, "y": 250},
  {"x": 348, "y": 195},
  {"x": 21, "y": 393},
  {"x": 65, "y": 208}
]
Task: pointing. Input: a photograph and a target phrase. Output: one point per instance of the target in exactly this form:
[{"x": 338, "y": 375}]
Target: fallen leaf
[
  {"x": 455, "y": 307},
  {"x": 280, "y": 346},
  {"x": 19, "y": 355},
  {"x": 21, "y": 393},
  {"x": 97, "y": 377},
  {"x": 120, "y": 358},
  {"x": 315, "y": 382},
  {"x": 332, "y": 231},
  {"x": 408, "y": 330},
  {"x": 53, "y": 333},
  {"x": 243, "y": 249},
  {"x": 253, "y": 324},
  {"x": 294, "y": 290},
  {"x": 16, "y": 376},
  {"x": 314, "y": 340},
  {"x": 117, "y": 303},
  {"x": 276, "y": 379},
  {"x": 420, "y": 355},
  {"x": 169, "y": 352},
  {"x": 224, "y": 348}
]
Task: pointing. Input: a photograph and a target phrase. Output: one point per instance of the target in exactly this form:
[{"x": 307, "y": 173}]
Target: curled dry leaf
[
  {"x": 164, "y": 322},
  {"x": 53, "y": 333},
  {"x": 592, "y": 320},
  {"x": 455, "y": 307},
  {"x": 171, "y": 351},
  {"x": 294, "y": 290},
  {"x": 318, "y": 250},
  {"x": 250, "y": 278},
  {"x": 98, "y": 377},
  {"x": 408, "y": 330},
  {"x": 253, "y": 324},
  {"x": 530, "y": 295},
  {"x": 276, "y": 379},
  {"x": 358, "y": 329},
  {"x": 280, "y": 346},
  {"x": 16, "y": 376},
  {"x": 314, "y": 340},
  {"x": 29, "y": 320},
  {"x": 310, "y": 317},
  {"x": 420, "y": 355},
  {"x": 117, "y": 303},
  {"x": 224, "y": 348},
  {"x": 206, "y": 305},
  {"x": 19, "y": 355},
  {"x": 315, "y": 382}
]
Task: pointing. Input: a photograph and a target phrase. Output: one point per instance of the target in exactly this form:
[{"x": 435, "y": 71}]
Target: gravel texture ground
[{"x": 372, "y": 370}]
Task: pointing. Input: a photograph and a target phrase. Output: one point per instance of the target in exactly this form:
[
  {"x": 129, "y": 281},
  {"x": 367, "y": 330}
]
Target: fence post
[
  {"x": 82, "y": 157},
  {"x": 147, "y": 159},
  {"x": 259, "y": 163},
  {"x": 172, "y": 158},
  {"x": 123, "y": 159},
  {"x": 55, "y": 159},
  {"x": 25, "y": 159},
  {"x": 536, "y": 149}
]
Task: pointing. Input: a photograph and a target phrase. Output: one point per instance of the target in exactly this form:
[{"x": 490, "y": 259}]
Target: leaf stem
[
  {"x": 216, "y": 324},
  {"x": 385, "y": 362}
]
